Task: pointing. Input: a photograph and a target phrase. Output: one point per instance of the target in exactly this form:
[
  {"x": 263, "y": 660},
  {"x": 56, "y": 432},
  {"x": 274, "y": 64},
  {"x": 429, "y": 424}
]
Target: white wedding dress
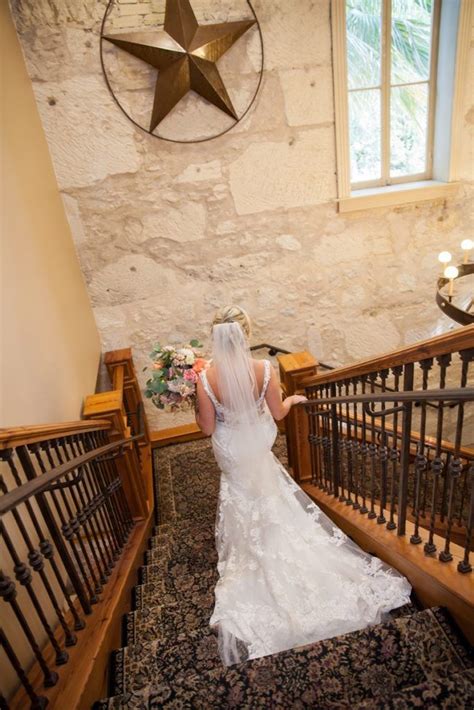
[{"x": 287, "y": 575}]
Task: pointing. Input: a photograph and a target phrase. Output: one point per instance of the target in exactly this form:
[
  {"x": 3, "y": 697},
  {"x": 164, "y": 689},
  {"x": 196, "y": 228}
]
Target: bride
[{"x": 287, "y": 575}]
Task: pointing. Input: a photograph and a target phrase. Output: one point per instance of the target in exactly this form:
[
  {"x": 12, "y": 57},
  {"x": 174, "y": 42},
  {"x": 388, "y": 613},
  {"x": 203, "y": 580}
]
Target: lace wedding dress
[{"x": 287, "y": 575}]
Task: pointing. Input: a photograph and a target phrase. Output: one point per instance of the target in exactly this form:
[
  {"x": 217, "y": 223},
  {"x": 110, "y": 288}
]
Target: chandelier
[{"x": 457, "y": 302}]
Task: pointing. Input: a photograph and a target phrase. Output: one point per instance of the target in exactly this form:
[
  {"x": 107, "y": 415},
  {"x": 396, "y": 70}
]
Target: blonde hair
[{"x": 233, "y": 314}]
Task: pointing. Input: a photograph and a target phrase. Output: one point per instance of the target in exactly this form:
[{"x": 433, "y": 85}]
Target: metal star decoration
[{"x": 185, "y": 55}]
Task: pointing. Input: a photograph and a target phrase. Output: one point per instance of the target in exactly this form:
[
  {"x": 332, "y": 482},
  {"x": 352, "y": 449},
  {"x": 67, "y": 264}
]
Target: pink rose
[{"x": 190, "y": 376}]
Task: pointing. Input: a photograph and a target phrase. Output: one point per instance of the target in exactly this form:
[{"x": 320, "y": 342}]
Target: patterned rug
[{"x": 169, "y": 658}]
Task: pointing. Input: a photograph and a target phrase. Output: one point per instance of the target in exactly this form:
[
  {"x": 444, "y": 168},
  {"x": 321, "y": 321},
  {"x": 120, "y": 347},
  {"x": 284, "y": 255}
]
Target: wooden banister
[
  {"x": 19, "y": 436},
  {"x": 81, "y": 493},
  {"x": 454, "y": 341}
]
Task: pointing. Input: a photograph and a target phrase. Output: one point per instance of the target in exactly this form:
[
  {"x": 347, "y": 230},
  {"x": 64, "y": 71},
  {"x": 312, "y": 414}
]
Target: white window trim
[{"x": 447, "y": 136}]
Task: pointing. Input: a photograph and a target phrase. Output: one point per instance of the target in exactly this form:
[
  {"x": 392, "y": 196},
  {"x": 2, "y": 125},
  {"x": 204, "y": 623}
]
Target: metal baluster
[
  {"x": 117, "y": 523},
  {"x": 455, "y": 464},
  {"x": 91, "y": 503},
  {"x": 348, "y": 448},
  {"x": 356, "y": 451},
  {"x": 45, "y": 546},
  {"x": 326, "y": 448},
  {"x": 101, "y": 492},
  {"x": 84, "y": 517},
  {"x": 342, "y": 441},
  {"x": 420, "y": 458},
  {"x": 38, "y": 702},
  {"x": 71, "y": 528},
  {"x": 68, "y": 532},
  {"x": 383, "y": 454},
  {"x": 465, "y": 476},
  {"x": 394, "y": 451},
  {"x": 408, "y": 374},
  {"x": 36, "y": 561},
  {"x": 24, "y": 577},
  {"x": 335, "y": 446},
  {"x": 372, "y": 453},
  {"x": 465, "y": 566},
  {"x": 8, "y": 593},
  {"x": 425, "y": 482},
  {"x": 113, "y": 475},
  {"x": 364, "y": 449},
  {"x": 437, "y": 465}
]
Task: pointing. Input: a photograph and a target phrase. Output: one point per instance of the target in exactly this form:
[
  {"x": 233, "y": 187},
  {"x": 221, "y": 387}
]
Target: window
[
  {"x": 393, "y": 129},
  {"x": 391, "y": 64}
]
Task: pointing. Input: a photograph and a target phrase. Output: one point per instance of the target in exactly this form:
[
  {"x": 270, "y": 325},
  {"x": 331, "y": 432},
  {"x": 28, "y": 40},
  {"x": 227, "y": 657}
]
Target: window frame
[{"x": 439, "y": 180}]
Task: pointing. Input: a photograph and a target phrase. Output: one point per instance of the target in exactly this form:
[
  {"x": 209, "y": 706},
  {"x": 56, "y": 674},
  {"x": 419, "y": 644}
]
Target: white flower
[
  {"x": 175, "y": 386},
  {"x": 188, "y": 355}
]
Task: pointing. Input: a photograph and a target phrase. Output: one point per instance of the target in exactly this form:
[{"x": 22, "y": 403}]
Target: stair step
[
  {"x": 205, "y": 521},
  {"x": 127, "y": 661},
  {"x": 153, "y": 620},
  {"x": 373, "y": 663},
  {"x": 455, "y": 692}
]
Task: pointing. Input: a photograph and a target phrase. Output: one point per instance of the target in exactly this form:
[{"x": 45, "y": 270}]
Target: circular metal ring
[
  {"x": 446, "y": 305},
  {"x": 176, "y": 140}
]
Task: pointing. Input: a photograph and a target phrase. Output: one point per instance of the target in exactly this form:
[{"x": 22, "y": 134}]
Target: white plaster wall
[{"x": 166, "y": 233}]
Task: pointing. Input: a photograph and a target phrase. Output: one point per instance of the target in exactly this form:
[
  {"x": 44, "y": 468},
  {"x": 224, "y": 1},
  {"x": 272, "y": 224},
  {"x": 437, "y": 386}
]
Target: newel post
[
  {"x": 120, "y": 406},
  {"x": 294, "y": 367}
]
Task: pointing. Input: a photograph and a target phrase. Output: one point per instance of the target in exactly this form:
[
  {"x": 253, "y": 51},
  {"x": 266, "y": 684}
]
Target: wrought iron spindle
[
  {"x": 408, "y": 377},
  {"x": 437, "y": 465},
  {"x": 117, "y": 525},
  {"x": 372, "y": 453},
  {"x": 36, "y": 560},
  {"x": 85, "y": 516},
  {"x": 364, "y": 450},
  {"x": 90, "y": 513},
  {"x": 336, "y": 464},
  {"x": 420, "y": 458},
  {"x": 383, "y": 453},
  {"x": 46, "y": 548},
  {"x": 38, "y": 702},
  {"x": 348, "y": 448},
  {"x": 71, "y": 529},
  {"x": 24, "y": 576},
  {"x": 109, "y": 477},
  {"x": 119, "y": 495},
  {"x": 394, "y": 456},
  {"x": 455, "y": 464},
  {"x": 356, "y": 450},
  {"x": 465, "y": 566},
  {"x": 101, "y": 493},
  {"x": 67, "y": 531},
  {"x": 341, "y": 446},
  {"x": 8, "y": 593}
]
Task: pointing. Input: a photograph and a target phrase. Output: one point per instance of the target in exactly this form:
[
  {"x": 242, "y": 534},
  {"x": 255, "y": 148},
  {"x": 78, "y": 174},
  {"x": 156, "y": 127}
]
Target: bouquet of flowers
[{"x": 172, "y": 385}]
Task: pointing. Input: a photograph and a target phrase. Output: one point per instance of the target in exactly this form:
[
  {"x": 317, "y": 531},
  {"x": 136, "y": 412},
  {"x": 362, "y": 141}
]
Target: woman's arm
[
  {"x": 277, "y": 407},
  {"x": 205, "y": 412}
]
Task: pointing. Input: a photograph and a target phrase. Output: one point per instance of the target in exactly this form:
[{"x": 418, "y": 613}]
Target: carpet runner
[{"x": 169, "y": 659}]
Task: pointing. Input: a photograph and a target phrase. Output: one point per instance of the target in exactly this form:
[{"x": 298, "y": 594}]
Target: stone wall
[{"x": 166, "y": 233}]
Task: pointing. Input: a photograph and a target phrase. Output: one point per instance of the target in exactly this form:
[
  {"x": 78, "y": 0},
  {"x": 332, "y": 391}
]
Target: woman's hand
[{"x": 298, "y": 398}]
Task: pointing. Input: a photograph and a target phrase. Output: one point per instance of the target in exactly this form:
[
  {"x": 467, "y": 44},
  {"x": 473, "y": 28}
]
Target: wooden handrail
[
  {"x": 19, "y": 495},
  {"x": 454, "y": 341},
  {"x": 459, "y": 394},
  {"x": 19, "y": 436}
]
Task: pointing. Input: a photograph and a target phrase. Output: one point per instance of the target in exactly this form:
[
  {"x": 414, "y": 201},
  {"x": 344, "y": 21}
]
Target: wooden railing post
[
  {"x": 121, "y": 369},
  {"x": 109, "y": 405},
  {"x": 294, "y": 367}
]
